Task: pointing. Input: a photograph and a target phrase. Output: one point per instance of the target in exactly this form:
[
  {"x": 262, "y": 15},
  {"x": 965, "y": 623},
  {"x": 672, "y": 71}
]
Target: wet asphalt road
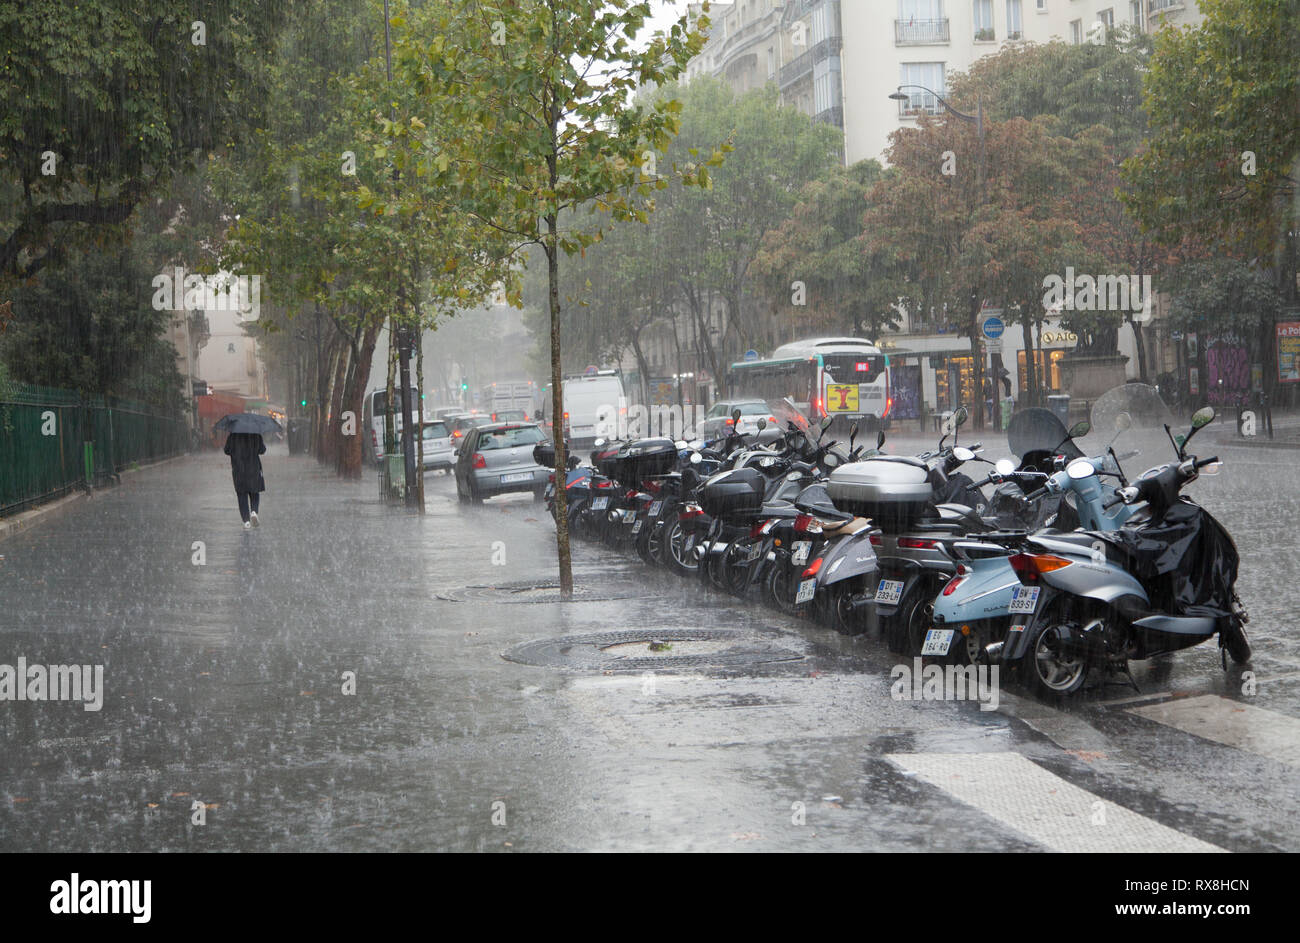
[{"x": 224, "y": 686}]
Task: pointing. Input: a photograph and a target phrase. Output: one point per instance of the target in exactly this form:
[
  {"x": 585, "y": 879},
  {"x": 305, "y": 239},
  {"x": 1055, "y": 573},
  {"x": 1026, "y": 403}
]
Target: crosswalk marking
[
  {"x": 1040, "y": 805},
  {"x": 1232, "y": 723}
]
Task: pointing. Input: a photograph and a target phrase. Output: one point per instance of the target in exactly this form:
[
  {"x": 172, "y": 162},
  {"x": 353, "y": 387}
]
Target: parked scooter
[{"x": 1096, "y": 599}]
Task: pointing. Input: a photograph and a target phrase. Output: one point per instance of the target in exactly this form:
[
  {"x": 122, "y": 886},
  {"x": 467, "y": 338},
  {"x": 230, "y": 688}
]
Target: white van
[{"x": 592, "y": 407}]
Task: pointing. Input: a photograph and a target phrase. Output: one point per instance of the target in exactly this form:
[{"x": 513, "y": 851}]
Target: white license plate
[
  {"x": 629, "y": 517},
  {"x": 752, "y": 554},
  {"x": 806, "y": 590},
  {"x": 599, "y": 504},
  {"x": 1024, "y": 598},
  {"x": 636, "y": 528},
  {"x": 889, "y": 591},
  {"x": 937, "y": 642},
  {"x": 654, "y": 508},
  {"x": 511, "y": 479},
  {"x": 801, "y": 551}
]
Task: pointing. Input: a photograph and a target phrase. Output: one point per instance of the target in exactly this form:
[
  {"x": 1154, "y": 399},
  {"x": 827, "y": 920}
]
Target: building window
[
  {"x": 1108, "y": 17},
  {"x": 1040, "y": 6},
  {"x": 984, "y": 21},
  {"x": 1049, "y": 375},
  {"x": 1135, "y": 12},
  {"x": 771, "y": 62},
  {"x": 927, "y": 74},
  {"x": 1076, "y": 32},
  {"x": 1015, "y": 28}
]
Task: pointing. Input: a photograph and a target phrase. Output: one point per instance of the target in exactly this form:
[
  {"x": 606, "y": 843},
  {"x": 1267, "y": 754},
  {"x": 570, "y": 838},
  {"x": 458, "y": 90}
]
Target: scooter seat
[{"x": 846, "y": 528}]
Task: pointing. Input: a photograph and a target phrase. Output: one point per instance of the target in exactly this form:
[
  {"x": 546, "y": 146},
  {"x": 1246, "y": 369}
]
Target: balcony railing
[
  {"x": 832, "y": 116},
  {"x": 920, "y": 32},
  {"x": 801, "y": 66}
]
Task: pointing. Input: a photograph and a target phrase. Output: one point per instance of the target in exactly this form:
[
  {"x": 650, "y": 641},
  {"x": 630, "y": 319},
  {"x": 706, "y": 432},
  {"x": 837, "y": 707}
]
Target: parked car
[
  {"x": 438, "y": 451},
  {"x": 462, "y": 424},
  {"x": 718, "y": 421},
  {"x": 497, "y": 458}
]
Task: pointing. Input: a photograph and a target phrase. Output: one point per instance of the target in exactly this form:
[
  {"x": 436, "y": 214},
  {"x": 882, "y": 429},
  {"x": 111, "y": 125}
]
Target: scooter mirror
[
  {"x": 960, "y": 416},
  {"x": 963, "y": 454},
  {"x": 696, "y": 458},
  {"x": 1080, "y": 468},
  {"x": 1203, "y": 417},
  {"x": 1004, "y": 466},
  {"x": 735, "y": 415},
  {"x": 762, "y": 424},
  {"x": 826, "y": 422},
  {"x": 1080, "y": 429},
  {"x": 880, "y": 440}
]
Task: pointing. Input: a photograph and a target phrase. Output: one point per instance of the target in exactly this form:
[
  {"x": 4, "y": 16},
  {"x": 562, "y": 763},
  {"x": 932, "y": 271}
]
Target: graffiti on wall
[{"x": 1227, "y": 372}]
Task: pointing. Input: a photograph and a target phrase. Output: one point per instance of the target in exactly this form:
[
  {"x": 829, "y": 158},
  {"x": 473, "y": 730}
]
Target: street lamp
[{"x": 977, "y": 119}]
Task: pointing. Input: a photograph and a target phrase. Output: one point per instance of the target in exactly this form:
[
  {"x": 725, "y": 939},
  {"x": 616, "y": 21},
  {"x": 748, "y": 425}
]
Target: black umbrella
[{"x": 250, "y": 423}]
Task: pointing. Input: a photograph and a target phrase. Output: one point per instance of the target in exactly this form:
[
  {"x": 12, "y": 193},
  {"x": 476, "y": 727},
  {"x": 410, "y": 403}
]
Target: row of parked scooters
[{"x": 1066, "y": 570}]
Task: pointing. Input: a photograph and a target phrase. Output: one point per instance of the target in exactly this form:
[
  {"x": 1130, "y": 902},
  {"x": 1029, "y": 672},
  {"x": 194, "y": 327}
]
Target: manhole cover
[
  {"x": 661, "y": 648},
  {"x": 537, "y": 592}
]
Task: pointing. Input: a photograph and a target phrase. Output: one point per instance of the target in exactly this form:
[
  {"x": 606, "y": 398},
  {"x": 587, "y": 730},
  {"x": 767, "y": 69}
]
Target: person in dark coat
[{"x": 246, "y": 469}]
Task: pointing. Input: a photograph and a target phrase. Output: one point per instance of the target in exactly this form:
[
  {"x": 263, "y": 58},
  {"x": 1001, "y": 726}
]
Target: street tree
[{"x": 541, "y": 95}]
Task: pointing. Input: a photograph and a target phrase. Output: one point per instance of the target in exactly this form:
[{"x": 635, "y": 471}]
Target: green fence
[{"x": 51, "y": 441}]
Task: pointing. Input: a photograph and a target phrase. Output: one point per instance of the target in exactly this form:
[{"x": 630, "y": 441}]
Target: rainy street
[{"x": 349, "y": 676}]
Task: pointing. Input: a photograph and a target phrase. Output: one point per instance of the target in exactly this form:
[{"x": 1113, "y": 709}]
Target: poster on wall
[
  {"x": 1193, "y": 380},
  {"x": 1288, "y": 352},
  {"x": 906, "y": 390}
]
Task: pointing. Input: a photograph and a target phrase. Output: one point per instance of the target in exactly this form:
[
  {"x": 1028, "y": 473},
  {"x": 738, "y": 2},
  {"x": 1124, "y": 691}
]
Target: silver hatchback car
[{"x": 497, "y": 458}]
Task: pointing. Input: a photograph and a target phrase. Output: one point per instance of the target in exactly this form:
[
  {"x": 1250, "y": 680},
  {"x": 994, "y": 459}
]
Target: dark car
[{"x": 497, "y": 458}]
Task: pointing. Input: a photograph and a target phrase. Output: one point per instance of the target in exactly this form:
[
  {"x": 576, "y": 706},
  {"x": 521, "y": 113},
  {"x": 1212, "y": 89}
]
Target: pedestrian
[{"x": 246, "y": 470}]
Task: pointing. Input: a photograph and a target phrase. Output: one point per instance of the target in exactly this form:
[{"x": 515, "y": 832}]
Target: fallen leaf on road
[{"x": 1087, "y": 756}]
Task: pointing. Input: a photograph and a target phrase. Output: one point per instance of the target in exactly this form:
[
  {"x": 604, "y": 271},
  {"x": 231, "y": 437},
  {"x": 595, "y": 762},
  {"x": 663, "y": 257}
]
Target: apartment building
[{"x": 838, "y": 60}]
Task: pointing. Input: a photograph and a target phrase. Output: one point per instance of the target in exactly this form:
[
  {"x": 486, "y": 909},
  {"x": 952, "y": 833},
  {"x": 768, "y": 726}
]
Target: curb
[
  {"x": 22, "y": 521},
  {"x": 1258, "y": 442}
]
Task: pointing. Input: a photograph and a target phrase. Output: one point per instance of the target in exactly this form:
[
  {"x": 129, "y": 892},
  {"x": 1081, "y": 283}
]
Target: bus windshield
[{"x": 853, "y": 368}]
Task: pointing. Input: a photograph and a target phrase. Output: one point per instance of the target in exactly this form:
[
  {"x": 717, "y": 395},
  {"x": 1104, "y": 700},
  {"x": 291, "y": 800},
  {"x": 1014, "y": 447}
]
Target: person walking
[{"x": 246, "y": 470}]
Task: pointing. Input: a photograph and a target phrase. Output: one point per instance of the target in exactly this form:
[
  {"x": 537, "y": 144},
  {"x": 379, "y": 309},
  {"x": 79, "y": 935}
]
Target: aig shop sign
[{"x": 1060, "y": 336}]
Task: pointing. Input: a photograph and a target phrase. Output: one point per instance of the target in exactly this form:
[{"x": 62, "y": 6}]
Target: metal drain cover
[
  {"x": 660, "y": 648},
  {"x": 548, "y": 591}
]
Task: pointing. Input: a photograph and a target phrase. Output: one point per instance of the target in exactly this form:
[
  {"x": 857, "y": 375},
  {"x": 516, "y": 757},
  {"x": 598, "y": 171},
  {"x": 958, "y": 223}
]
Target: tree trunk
[
  {"x": 977, "y": 359},
  {"x": 350, "y": 466},
  {"x": 336, "y": 403},
  {"x": 419, "y": 406}
]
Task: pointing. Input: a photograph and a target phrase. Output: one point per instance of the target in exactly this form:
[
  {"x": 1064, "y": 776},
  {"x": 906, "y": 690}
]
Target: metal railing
[
  {"x": 51, "y": 441},
  {"x": 920, "y": 32}
]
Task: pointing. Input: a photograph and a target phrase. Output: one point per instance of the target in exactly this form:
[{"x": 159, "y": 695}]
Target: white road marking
[
  {"x": 1042, "y": 806},
  {"x": 1253, "y": 729}
]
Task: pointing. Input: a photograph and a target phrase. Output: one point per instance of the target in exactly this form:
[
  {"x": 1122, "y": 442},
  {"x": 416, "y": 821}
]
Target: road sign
[
  {"x": 591, "y": 370},
  {"x": 751, "y": 355},
  {"x": 993, "y": 328}
]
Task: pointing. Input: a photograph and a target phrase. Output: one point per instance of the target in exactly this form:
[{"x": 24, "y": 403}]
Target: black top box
[
  {"x": 740, "y": 489},
  {"x": 636, "y": 461}
]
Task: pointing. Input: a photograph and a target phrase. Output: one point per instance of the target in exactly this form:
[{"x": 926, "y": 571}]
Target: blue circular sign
[
  {"x": 993, "y": 328},
  {"x": 751, "y": 355}
]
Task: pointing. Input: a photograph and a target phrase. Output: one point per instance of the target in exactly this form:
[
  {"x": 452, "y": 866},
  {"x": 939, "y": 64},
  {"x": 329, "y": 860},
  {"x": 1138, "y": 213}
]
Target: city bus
[{"x": 846, "y": 378}]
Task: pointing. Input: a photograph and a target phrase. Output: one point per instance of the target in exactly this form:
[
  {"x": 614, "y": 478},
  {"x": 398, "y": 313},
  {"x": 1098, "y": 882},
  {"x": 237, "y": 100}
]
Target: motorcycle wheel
[
  {"x": 836, "y": 608},
  {"x": 643, "y": 542},
  {"x": 781, "y": 586},
  {"x": 1235, "y": 641},
  {"x": 735, "y": 578},
  {"x": 1045, "y": 668},
  {"x": 675, "y": 552},
  {"x": 715, "y": 570}
]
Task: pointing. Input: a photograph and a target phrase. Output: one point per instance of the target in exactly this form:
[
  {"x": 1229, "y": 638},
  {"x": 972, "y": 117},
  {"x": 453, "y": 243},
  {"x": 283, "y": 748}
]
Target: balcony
[
  {"x": 920, "y": 32},
  {"x": 832, "y": 116},
  {"x": 803, "y": 65}
]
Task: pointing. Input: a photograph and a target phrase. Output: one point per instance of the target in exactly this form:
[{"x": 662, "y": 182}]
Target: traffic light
[
  {"x": 304, "y": 403},
  {"x": 464, "y": 384}
]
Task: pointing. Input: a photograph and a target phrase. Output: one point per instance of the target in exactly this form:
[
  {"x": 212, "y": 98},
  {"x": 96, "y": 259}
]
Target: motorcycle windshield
[
  {"x": 1040, "y": 430},
  {"x": 1145, "y": 408}
]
